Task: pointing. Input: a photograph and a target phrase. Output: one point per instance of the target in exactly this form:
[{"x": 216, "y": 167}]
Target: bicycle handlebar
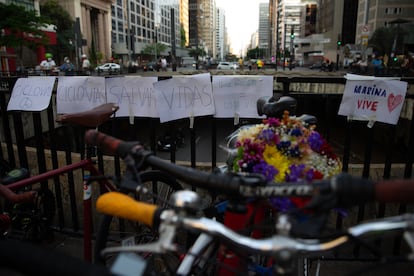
[
  {"x": 342, "y": 190},
  {"x": 11, "y": 196},
  {"x": 125, "y": 207}
]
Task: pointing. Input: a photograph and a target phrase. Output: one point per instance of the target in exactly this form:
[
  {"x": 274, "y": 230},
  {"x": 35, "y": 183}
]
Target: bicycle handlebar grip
[
  {"x": 395, "y": 191},
  {"x": 17, "y": 198},
  {"x": 351, "y": 190},
  {"x": 120, "y": 205},
  {"x": 109, "y": 145}
]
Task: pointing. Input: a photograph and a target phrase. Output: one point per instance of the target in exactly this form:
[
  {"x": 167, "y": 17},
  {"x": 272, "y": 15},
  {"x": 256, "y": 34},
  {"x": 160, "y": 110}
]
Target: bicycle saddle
[
  {"x": 309, "y": 119},
  {"x": 90, "y": 118},
  {"x": 275, "y": 107}
]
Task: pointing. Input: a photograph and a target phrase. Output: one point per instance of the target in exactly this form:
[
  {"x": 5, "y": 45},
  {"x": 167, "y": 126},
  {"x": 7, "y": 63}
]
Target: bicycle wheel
[
  {"x": 31, "y": 221},
  {"x": 115, "y": 232}
]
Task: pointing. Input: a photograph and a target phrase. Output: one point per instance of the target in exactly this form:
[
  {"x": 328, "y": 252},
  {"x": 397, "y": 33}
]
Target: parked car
[
  {"x": 109, "y": 68},
  {"x": 227, "y": 66}
]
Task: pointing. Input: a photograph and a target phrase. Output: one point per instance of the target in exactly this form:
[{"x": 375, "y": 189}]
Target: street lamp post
[
  {"x": 338, "y": 48},
  {"x": 156, "y": 41},
  {"x": 284, "y": 48},
  {"x": 174, "y": 64},
  {"x": 292, "y": 49}
]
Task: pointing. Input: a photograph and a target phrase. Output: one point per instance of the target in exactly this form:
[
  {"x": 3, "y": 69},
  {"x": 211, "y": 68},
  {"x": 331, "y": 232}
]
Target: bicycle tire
[
  {"x": 31, "y": 221},
  {"x": 165, "y": 186}
]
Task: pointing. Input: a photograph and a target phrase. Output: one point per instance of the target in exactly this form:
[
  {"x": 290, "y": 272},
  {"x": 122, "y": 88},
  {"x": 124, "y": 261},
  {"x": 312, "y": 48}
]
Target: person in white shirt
[
  {"x": 86, "y": 64},
  {"x": 163, "y": 64},
  {"x": 48, "y": 65}
]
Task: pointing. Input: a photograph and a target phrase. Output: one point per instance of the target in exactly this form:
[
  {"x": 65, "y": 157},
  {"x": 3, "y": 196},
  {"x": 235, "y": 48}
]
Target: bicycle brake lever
[
  {"x": 163, "y": 245},
  {"x": 131, "y": 182}
]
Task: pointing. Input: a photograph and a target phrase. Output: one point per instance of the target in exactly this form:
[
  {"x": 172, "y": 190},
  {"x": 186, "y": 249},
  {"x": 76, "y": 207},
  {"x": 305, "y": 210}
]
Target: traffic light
[
  {"x": 292, "y": 36},
  {"x": 339, "y": 43},
  {"x": 395, "y": 59}
]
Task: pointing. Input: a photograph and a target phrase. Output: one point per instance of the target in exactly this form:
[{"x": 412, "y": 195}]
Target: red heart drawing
[{"x": 394, "y": 101}]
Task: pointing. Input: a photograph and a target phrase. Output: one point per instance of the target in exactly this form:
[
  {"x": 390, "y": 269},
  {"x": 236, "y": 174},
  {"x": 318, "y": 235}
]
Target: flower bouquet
[{"x": 285, "y": 150}]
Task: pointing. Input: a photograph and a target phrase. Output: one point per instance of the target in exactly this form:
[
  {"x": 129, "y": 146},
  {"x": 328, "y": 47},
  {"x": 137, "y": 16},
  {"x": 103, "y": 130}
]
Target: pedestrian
[
  {"x": 378, "y": 65},
  {"x": 260, "y": 64},
  {"x": 86, "y": 65},
  {"x": 164, "y": 64},
  {"x": 407, "y": 66},
  {"x": 241, "y": 64},
  {"x": 67, "y": 67},
  {"x": 48, "y": 65}
]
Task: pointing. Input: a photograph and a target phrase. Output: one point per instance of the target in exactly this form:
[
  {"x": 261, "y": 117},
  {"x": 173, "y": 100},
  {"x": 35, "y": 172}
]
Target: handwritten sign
[
  {"x": 184, "y": 96},
  {"x": 373, "y": 99},
  {"x": 31, "y": 94},
  {"x": 77, "y": 94},
  {"x": 134, "y": 95},
  {"x": 237, "y": 95}
]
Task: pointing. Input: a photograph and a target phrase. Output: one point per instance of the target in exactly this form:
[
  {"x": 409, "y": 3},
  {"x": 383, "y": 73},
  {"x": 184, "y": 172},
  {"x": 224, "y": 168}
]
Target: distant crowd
[
  {"x": 383, "y": 65},
  {"x": 48, "y": 66}
]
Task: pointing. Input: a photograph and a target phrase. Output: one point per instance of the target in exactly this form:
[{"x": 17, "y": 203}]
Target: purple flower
[
  {"x": 267, "y": 135},
  {"x": 252, "y": 151},
  {"x": 296, "y": 132},
  {"x": 315, "y": 141},
  {"x": 309, "y": 175},
  {"x": 295, "y": 172},
  {"x": 283, "y": 204},
  {"x": 265, "y": 169},
  {"x": 274, "y": 122}
]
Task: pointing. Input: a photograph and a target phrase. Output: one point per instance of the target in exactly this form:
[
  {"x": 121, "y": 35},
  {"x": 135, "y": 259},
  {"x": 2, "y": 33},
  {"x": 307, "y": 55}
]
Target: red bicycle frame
[
  {"x": 86, "y": 165},
  {"x": 239, "y": 221}
]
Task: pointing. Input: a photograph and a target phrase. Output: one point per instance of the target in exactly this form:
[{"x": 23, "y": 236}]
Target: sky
[{"x": 242, "y": 20}]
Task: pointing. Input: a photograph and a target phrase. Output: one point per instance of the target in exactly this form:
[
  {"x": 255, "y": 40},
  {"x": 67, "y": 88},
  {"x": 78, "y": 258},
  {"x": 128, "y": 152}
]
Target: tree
[
  {"x": 196, "y": 52},
  {"x": 21, "y": 28},
  {"x": 154, "y": 49},
  {"x": 256, "y": 53},
  {"x": 65, "y": 33},
  {"x": 383, "y": 38}
]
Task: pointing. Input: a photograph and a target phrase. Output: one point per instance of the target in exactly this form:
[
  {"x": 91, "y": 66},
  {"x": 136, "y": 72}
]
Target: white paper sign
[
  {"x": 78, "y": 94},
  {"x": 184, "y": 96},
  {"x": 135, "y": 96},
  {"x": 31, "y": 94},
  {"x": 373, "y": 99},
  {"x": 237, "y": 95}
]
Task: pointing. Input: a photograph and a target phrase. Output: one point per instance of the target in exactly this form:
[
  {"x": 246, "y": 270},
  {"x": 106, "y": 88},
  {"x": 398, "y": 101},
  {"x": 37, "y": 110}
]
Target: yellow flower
[{"x": 275, "y": 158}]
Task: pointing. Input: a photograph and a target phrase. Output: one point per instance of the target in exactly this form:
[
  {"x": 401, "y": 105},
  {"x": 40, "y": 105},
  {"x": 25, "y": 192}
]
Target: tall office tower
[
  {"x": 206, "y": 26},
  {"x": 220, "y": 34},
  {"x": 264, "y": 28},
  {"x": 184, "y": 21}
]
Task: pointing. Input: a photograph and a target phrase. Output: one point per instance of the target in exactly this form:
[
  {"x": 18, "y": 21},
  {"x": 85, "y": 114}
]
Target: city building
[
  {"x": 94, "y": 25},
  {"x": 184, "y": 22},
  {"x": 382, "y": 13},
  {"x": 136, "y": 24},
  {"x": 263, "y": 30},
  {"x": 206, "y": 28},
  {"x": 220, "y": 34}
]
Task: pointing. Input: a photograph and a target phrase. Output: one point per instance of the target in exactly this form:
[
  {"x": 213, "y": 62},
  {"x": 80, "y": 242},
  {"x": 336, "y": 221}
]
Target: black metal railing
[{"x": 392, "y": 147}]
